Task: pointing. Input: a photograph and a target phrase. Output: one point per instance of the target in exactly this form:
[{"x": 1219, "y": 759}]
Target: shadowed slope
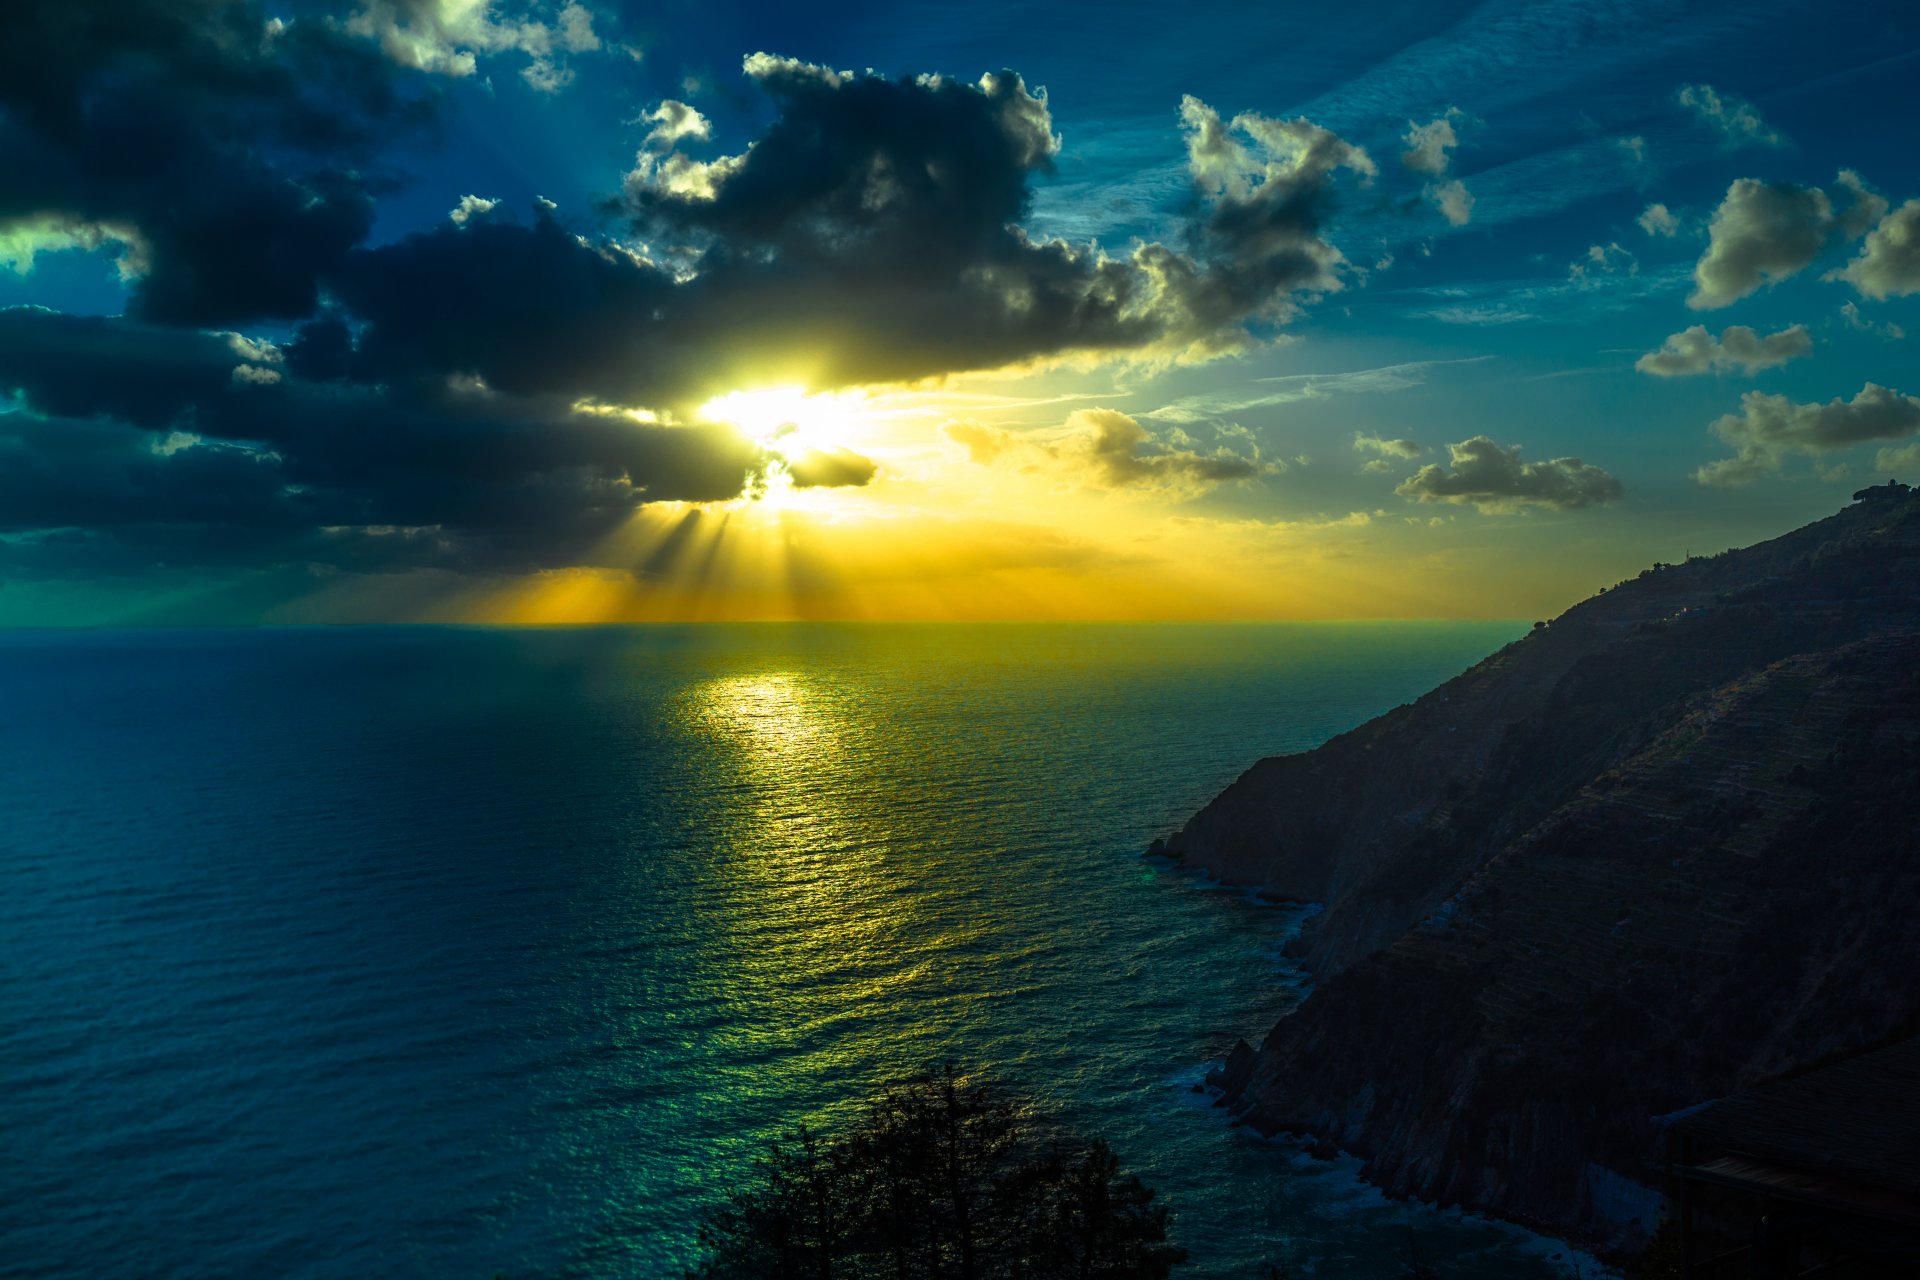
[{"x": 1631, "y": 862}]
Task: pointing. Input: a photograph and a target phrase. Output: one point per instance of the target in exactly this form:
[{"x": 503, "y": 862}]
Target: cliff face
[{"x": 1660, "y": 850}]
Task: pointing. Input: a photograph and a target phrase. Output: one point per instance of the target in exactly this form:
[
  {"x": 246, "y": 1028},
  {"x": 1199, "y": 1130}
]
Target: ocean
[{"x": 471, "y": 952}]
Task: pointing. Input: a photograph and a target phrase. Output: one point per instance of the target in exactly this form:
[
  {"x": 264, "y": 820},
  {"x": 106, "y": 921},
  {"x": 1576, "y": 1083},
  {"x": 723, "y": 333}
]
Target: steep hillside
[
  {"x": 1381, "y": 823},
  {"x": 1633, "y": 861}
]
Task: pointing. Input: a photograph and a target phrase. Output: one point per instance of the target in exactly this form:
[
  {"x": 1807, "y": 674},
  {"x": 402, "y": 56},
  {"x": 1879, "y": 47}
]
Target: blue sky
[{"x": 1532, "y": 199}]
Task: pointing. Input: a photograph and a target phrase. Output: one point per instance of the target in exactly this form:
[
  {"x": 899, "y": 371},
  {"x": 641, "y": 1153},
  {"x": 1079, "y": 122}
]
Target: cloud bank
[{"x": 500, "y": 393}]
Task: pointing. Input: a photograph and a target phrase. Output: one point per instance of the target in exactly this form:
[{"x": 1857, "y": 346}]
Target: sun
[
  {"x": 807, "y": 441},
  {"x": 787, "y": 420}
]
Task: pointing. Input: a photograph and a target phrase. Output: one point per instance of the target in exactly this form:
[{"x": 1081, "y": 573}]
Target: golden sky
[{"x": 563, "y": 322}]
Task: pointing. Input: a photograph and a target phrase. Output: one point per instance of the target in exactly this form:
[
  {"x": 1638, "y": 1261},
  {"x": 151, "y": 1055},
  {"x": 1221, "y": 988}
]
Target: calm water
[{"x": 455, "y": 952}]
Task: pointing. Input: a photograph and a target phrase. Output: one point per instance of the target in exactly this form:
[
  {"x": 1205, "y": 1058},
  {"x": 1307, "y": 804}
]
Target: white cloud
[
  {"x": 1494, "y": 480},
  {"x": 1385, "y": 452},
  {"x": 575, "y": 28},
  {"x": 1604, "y": 260},
  {"x": 1889, "y": 262},
  {"x": 1107, "y": 449},
  {"x": 1658, "y": 220},
  {"x": 1764, "y": 232},
  {"x": 1291, "y": 153},
  {"x": 470, "y": 207},
  {"x": 1364, "y": 443},
  {"x": 448, "y": 37},
  {"x": 673, "y": 120},
  {"x": 1453, "y": 200},
  {"x": 1850, "y": 314},
  {"x": 1634, "y": 149},
  {"x": 1696, "y": 350},
  {"x": 23, "y": 240},
  {"x": 660, "y": 166},
  {"x": 1903, "y": 459},
  {"x": 1865, "y": 207},
  {"x": 1429, "y": 151},
  {"x": 1429, "y": 144},
  {"x": 254, "y": 350},
  {"x": 768, "y": 66},
  {"x": 1769, "y": 427},
  {"x": 1737, "y": 121}
]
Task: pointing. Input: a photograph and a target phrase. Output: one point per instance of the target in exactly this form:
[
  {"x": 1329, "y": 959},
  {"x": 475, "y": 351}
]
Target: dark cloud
[
  {"x": 529, "y": 309},
  {"x": 335, "y": 473},
  {"x": 875, "y": 226},
  {"x": 501, "y": 394},
  {"x": 831, "y": 469},
  {"x": 1266, "y": 189},
  {"x": 876, "y": 221},
  {"x": 61, "y": 472},
  {"x": 870, "y": 234},
  {"x": 1485, "y": 475},
  {"x": 321, "y": 350},
  {"x": 88, "y": 366},
  {"x": 227, "y": 153}
]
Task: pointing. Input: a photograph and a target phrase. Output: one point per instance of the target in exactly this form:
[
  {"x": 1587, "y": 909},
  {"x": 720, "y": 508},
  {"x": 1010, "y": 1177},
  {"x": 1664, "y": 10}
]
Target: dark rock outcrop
[
  {"x": 1232, "y": 1075},
  {"x": 1659, "y": 850}
]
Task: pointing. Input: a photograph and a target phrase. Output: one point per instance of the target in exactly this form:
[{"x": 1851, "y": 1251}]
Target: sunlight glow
[{"x": 789, "y": 421}]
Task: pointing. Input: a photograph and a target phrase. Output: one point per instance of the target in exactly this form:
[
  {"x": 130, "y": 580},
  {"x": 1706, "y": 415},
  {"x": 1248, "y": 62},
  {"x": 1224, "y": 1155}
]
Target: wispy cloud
[
  {"x": 1512, "y": 301},
  {"x": 1293, "y": 387}
]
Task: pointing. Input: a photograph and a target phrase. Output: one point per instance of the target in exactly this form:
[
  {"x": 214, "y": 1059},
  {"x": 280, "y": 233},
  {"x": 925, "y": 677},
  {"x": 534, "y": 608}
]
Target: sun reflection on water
[
  {"x": 770, "y": 715},
  {"x": 825, "y": 921}
]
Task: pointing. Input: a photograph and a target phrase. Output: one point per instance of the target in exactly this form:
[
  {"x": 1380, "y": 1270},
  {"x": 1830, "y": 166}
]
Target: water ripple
[{"x": 463, "y": 952}]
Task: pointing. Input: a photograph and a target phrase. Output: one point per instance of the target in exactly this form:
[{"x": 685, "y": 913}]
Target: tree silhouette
[
  {"x": 943, "y": 1178},
  {"x": 1104, "y": 1225},
  {"x": 797, "y": 1222}
]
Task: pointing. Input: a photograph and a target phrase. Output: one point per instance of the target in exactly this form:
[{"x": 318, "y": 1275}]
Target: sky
[{"x": 487, "y": 311}]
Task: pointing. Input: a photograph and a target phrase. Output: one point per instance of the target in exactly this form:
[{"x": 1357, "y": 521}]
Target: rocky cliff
[{"x": 1658, "y": 850}]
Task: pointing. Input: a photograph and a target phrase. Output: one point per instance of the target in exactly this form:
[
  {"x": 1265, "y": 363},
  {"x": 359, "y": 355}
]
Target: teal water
[{"x": 459, "y": 952}]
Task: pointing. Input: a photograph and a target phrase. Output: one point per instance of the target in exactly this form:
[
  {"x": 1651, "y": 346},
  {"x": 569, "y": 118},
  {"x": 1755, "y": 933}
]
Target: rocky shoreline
[{"x": 1656, "y": 851}]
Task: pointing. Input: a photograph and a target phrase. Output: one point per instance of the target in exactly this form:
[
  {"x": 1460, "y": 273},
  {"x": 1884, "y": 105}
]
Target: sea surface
[{"x": 468, "y": 952}]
